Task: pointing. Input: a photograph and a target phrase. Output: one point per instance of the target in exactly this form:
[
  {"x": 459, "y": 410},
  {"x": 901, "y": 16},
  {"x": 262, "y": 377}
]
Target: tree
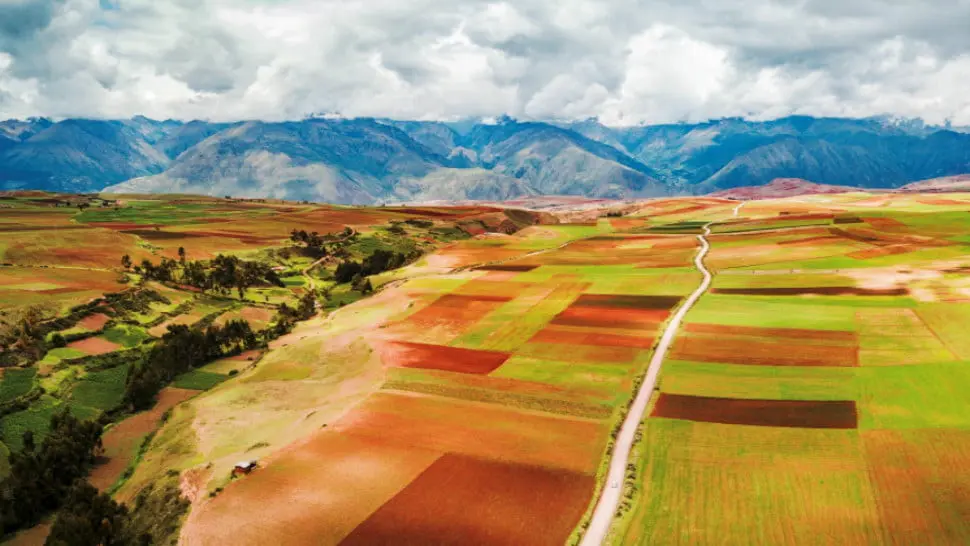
[
  {"x": 28, "y": 441},
  {"x": 182, "y": 255},
  {"x": 126, "y": 262}
]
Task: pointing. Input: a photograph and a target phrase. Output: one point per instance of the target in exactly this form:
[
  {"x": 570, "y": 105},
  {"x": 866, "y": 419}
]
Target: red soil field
[
  {"x": 631, "y": 302},
  {"x": 754, "y": 331},
  {"x": 808, "y": 240},
  {"x": 519, "y": 268},
  {"x": 94, "y": 322},
  {"x": 921, "y": 484},
  {"x": 764, "y": 352},
  {"x": 476, "y": 429},
  {"x": 568, "y": 337},
  {"x": 608, "y": 317},
  {"x": 813, "y": 290},
  {"x": 462, "y": 500},
  {"x": 123, "y": 225},
  {"x": 121, "y": 441},
  {"x": 401, "y": 354},
  {"x": 583, "y": 354},
  {"x": 769, "y": 413},
  {"x": 882, "y": 251},
  {"x": 94, "y": 346},
  {"x": 312, "y": 492}
]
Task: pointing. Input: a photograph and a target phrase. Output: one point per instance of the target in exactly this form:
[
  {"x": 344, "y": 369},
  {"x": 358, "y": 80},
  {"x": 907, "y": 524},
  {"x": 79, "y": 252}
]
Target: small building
[{"x": 243, "y": 467}]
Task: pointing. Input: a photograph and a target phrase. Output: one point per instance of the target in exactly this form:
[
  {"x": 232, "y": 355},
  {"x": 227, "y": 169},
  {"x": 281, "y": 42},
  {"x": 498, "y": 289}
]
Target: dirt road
[{"x": 609, "y": 499}]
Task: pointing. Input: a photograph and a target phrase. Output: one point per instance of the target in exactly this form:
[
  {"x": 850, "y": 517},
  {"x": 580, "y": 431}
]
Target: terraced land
[
  {"x": 487, "y": 407},
  {"x": 817, "y": 394}
]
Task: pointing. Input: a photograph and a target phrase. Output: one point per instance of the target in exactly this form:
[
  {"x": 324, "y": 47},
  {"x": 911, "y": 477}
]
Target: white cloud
[{"x": 627, "y": 61}]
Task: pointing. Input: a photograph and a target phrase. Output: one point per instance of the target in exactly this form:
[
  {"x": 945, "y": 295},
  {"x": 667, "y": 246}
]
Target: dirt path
[
  {"x": 306, "y": 273},
  {"x": 609, "y": 500},
  {"x": 737, "y": 209}
]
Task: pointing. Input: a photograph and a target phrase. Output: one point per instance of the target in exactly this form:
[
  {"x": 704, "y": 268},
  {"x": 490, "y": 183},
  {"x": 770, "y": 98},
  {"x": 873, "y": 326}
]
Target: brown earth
[
  {"x": 771, "y": 413},
  {"x": 627, "y": 302},
  {"x": 754, "y": 331},
  {"x": 569, "y": 337},
  {"x": 94, "y": 346},
  {"x": 463, "y": 500},
  {"x": 478, "y": 430},
  {"x": 606, "y": 317},
  {"x": 814, "y": 291},
  {"x": 94, "y": 322},
  {"x": 764, "y": 352},
  {"x": 399, "y": 354},
  {"x": 121, "y": 441}
]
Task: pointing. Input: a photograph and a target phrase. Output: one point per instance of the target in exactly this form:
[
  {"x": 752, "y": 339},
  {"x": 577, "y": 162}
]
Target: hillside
[
  {"x": 946, "y": 183},
  {"x": 781, "y": 187},
  {"x": 365, "y": 161}
]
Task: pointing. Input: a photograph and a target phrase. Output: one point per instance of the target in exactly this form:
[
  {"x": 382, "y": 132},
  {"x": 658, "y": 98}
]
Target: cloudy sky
[{"x": 625, "y": 61}]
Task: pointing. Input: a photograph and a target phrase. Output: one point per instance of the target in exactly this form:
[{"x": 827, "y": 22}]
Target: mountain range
[{"x": 365, "y": 160}]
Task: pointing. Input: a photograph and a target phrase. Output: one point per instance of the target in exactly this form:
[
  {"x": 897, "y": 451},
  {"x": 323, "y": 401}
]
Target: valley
[{"x": 478, "y": 390}]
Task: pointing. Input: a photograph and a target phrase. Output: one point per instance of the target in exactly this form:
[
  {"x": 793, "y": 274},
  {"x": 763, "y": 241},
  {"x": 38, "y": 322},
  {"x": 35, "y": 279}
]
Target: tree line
[
  {"x": 222, "y": 274},
  {"x": 179, "y": 350}
]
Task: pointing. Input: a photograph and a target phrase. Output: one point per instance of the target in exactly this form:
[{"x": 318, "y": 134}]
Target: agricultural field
[
  {"x": 80, "y": 324},
  {"x": 473, "y": 391},
  {"x": 816, "y": 394}
]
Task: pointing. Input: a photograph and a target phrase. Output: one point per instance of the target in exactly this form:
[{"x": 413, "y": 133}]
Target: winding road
[{"x": 609, "y": 500}]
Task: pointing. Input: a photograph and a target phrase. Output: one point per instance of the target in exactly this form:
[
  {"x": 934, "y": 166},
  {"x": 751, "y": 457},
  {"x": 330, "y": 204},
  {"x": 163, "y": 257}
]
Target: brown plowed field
[
  {"x": 551, "y": 335},
  {"x": 790, "y": 333},
  {"x": 769, "y": 413},
  {"x": 462, "y": 500},
  {"x": 814, "y": 291},
  {"x": 764, "y": 352},
  {"x": 315, "y": 492},
  {"x": 627, "y": 302},
  {"x": 94, "y": 346},
  {"x": 121, "y": 441},
  {"x": 401, "y": 354},
  {"x": 606, "y": 317},
  {"x": 94, "y": 322},
  {"x": 519, "y": 268},
  {"x": 478, "y": 430}
]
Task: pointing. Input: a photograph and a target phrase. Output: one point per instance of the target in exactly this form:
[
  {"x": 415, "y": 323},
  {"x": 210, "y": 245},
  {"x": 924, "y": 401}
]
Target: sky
[{"x": 623, "y": 61}]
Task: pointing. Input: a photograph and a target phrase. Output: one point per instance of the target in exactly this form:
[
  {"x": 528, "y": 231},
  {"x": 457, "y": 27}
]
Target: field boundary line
[{"x": 609, "y": 501}]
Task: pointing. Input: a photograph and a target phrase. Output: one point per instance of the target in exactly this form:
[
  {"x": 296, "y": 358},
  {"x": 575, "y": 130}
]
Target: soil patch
[
  {"x": 754, "y": 331},
  {"x": 611, "y": 317},
  {"x": 813, "y": 291},
  {"x": 94, "y": 346},
  {"x": 627, "y": 302},
  {"x": 121, "y": 441},
  {"x": 764, "y": 352},
  {"x": 571, "y": 337},
  {"x": 94, "y": 322},
  {"x": 439, "y": 357},
  {"x": 770, "y": 413},
  {"x": 462, "y": 500}
]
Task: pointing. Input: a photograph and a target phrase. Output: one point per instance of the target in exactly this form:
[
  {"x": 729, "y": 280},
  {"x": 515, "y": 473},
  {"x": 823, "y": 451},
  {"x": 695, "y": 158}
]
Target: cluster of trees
[
  {"x": 41, "y": 476},
  {"x": 316, "y": 245},
  {"x": 178, "y": 351},
  {"x": 378, "y": 262},
  {"x": 287, "y": 316},
  {"x": 222, "y": 274},
  {"x": 90, "y": 517},
  {"x": 22, "y": 334}
]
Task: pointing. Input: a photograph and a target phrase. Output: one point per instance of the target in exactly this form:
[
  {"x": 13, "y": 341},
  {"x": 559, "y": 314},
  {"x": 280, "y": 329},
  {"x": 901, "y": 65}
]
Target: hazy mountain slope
[
  {"x": 79, "y": 155},
  {"x": 347, "y": 161},
  {"x": 556, "y": 161},
  {"x": 460, "y": 184}
]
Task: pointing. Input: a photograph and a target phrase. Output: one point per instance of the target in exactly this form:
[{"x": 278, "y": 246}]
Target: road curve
[{"x": 609, "y": 500}]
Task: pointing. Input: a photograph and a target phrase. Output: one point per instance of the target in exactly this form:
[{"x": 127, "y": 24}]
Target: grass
[
  {"x": 126, "y": 335},
  {"x": 102, "y": 390},
  {"x": 199, "y": 380},
  {"x": 16, "y": 382},
  {"x": 36, "y": 419}
]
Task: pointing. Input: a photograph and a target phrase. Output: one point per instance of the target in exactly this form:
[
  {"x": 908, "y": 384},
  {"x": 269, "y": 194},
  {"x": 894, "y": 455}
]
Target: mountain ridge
[{"x": 374, "y": 160}]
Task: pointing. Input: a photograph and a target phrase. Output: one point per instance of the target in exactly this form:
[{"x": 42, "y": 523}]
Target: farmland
[{"x": 815, "y": 393}]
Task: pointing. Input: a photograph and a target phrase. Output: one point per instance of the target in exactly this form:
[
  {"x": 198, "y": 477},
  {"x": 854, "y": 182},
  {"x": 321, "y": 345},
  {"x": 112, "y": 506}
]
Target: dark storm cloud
[{"x": 623, "y": 60}]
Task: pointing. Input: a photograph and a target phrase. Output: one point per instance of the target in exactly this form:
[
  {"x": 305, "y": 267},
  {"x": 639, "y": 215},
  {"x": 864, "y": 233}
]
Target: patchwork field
[{"x": 815, "y": 394}]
